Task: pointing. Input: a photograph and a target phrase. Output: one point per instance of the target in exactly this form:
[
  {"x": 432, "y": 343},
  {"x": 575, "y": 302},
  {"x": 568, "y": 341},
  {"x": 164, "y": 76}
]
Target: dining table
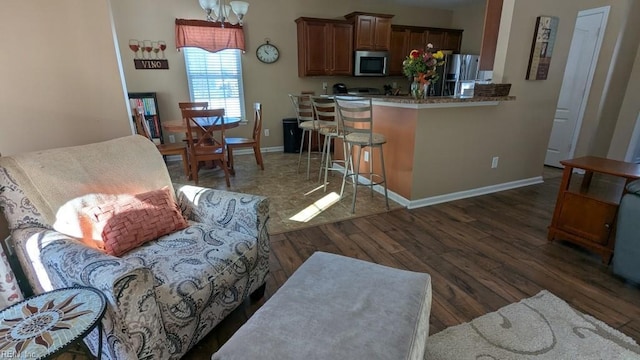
[{"x": 180, "y": 126}]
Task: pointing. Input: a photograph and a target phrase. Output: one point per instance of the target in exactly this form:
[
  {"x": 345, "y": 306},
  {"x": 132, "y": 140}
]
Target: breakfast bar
[{"x": 433, "y": 139}]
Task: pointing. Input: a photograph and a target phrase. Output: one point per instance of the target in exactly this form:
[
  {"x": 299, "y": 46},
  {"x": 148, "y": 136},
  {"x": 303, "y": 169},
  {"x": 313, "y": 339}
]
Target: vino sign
[
  {"x": 159, "y": 64},
  {"x": 151, "y": 54}
]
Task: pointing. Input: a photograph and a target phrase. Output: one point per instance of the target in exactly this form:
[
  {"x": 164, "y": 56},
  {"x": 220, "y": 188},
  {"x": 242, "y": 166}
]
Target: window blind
[{"x": 216, "y": 78}]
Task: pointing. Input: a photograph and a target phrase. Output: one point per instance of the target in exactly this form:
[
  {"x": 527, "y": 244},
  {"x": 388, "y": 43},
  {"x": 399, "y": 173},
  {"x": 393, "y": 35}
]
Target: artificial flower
[{"x": 422, "y": 64}]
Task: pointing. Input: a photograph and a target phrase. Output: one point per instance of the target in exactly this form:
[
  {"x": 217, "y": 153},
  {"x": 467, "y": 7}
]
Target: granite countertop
[
  {"x": 432, "y": 102},
  {"x": 439, "y": 99}
]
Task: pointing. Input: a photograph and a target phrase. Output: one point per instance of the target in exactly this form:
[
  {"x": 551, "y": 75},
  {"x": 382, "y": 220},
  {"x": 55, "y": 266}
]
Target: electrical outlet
[
  {"x": 266, "y": 132},
  {"x": 324, "y": 85},
  {"x": 494, "y": 162},
  {"x": 172, "y": 138},
  {"x": 366, "y": 156}
]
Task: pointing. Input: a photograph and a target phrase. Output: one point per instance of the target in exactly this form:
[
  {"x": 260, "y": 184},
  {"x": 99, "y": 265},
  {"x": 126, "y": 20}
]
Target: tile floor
[{"x": 289, "y": 192}]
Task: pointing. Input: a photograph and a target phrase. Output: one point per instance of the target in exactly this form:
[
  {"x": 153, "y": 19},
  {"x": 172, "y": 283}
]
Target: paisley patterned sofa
[{"x": 164, "y": 296}]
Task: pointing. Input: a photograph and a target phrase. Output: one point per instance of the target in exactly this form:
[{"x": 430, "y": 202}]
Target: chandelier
[{"x": 218, "y": 11}]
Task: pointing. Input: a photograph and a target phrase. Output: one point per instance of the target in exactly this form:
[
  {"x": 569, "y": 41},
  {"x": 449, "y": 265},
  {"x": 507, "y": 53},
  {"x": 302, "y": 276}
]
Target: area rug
[
  {"x": 290, "y": 194},
  {"x": 540, "y": 327}
]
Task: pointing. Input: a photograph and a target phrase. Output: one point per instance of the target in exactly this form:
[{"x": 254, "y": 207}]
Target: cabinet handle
[{"x": 607, "y": 226}]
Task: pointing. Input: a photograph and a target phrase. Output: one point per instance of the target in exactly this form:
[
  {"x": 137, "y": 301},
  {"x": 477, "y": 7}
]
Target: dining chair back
[
  {"x": 142, "y": 128},
  {"x": 194, "y": 105},
  {"x": 210, "y": 144},
  {"x": 198, "y": 105},
  {"x": 253, "y": 142}
]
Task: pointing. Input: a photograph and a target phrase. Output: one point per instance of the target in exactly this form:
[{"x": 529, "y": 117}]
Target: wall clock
[{"x": 267, "y": 53}]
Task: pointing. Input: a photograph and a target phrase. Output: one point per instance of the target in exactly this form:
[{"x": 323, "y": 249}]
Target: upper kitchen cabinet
[
  {"x": 444, "y": 39},
  {"x": 452, "y": 40},
  {"x": 435, "y": 37},
  {"x": 398, "y": 50},
  {"x": 406, "y": 38},
  {"x": 325, "y": 47},
  {"x": 372, "y": 31}
]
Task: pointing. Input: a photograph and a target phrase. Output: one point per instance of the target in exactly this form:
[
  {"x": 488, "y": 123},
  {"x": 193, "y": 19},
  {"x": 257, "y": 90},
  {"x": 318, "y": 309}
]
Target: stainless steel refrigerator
[{"x": 458, "y": 69}]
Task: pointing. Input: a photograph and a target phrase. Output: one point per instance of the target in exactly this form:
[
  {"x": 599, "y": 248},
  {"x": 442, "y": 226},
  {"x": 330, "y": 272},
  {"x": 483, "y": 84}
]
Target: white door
[
  {"x": 578, "y": 73},
  {"x": 633, "y": 152}
]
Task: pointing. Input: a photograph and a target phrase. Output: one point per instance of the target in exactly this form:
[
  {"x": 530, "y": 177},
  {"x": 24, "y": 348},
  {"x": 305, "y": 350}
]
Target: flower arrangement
[{"x": 422, "y": 64}]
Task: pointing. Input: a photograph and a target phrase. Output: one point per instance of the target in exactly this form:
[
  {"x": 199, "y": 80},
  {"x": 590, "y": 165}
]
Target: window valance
[{"x": 207, "y": 35}]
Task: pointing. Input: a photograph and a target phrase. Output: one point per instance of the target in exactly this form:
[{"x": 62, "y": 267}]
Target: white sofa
[{"x": 164, "y": 296}]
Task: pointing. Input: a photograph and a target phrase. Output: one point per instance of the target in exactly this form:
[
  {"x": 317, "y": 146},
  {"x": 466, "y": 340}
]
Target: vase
[
  {"x": 425, "y": 89},
  {"x": 416, "y": 88}
]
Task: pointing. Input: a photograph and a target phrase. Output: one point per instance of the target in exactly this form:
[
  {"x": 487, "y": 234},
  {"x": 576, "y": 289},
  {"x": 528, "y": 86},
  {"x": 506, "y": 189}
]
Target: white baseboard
[
  {"x": 413, "y": 204},
  {"x": 474, "y": 192},
  {"x": 244, "y": 151}
]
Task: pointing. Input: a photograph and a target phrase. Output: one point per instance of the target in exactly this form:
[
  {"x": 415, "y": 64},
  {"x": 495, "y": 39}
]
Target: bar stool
[
  {"x": 325, "y": 108},
  {"x": 356, "y": 116}
]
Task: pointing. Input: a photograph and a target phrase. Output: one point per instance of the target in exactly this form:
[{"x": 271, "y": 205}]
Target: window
[{"x": 216, "y": 78}]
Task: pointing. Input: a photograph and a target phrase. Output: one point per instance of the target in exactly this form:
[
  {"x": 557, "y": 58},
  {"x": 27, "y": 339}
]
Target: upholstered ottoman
[{"x": 335, "y": 307}]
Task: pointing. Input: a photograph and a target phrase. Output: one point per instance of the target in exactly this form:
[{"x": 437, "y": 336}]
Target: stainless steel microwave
[{"x": 371, "y": 63}]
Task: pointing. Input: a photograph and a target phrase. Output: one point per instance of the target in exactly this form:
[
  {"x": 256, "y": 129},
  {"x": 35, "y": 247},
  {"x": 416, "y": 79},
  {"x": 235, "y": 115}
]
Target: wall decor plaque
[{"x": 544, "y": 38}]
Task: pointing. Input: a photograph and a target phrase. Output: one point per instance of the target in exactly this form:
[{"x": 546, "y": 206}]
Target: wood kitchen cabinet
[
  {"x": 406, "y": 38},
  {"x": 586, "y": 211},
  {"x": 452, "y": 41},
  {"x": 325, "y": 47},
  {"x": 398, "y": 50},
  {"x": 435, "y": 37},
  {"x": 371, "y": 31}
]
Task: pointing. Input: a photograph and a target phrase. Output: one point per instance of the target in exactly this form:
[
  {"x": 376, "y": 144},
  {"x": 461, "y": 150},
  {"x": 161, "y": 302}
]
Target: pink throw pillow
[{"x": 132, "y": 220}]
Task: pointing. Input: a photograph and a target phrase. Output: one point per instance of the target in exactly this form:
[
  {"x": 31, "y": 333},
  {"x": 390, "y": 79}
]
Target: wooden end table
[
  {"x": 44, "y": 325},
  {"x": 586, "y": 214}
]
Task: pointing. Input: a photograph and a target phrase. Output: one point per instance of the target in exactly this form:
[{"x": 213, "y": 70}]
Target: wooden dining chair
[
  {"x": 198, "y": 105},
  {"x": 254, "y": 142},
  {"x": 195, "y": 105},
  {"x": 210, "y": 144},
  {"x": 142, "y": 128}
]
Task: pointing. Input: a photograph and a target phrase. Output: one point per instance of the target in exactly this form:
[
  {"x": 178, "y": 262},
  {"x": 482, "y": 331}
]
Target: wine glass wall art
[{"x": 148, "y": 54}]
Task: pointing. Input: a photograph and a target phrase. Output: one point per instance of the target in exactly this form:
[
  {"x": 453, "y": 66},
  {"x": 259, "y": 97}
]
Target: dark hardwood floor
[{"x": 482, "y": 253}]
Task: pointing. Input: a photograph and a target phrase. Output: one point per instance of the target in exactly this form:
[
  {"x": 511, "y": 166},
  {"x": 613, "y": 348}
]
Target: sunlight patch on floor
[{"x": 316, "y": 208}]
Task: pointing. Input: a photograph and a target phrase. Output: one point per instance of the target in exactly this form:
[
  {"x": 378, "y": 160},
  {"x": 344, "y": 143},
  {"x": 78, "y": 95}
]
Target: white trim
[
  {"x": 433, "y": 200},
  {"x": 245, "y": 151},
  {"x": 474, "y": 192},
  {"x": 585, "y": 97}
]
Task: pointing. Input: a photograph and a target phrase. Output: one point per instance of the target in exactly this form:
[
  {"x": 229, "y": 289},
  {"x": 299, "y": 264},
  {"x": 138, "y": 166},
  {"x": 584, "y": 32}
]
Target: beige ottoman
[{"x": 335, "y": 307}]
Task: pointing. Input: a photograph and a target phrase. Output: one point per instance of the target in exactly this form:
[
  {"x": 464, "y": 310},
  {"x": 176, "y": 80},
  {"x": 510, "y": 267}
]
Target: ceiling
[{"x": 441, "y": 4}]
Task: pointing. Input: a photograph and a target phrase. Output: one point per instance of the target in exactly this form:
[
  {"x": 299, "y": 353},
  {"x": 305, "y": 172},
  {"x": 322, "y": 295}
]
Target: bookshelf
[{"x": 149, "y": 102}]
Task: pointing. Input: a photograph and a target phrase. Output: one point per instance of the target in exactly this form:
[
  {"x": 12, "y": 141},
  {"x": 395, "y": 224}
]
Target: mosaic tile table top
[
  {"x": 289, "y": 192},
  {"x": 44, "y": 325}
]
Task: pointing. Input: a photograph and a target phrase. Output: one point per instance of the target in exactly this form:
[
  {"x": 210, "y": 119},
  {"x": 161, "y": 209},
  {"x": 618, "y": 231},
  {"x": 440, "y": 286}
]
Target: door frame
[{"x": 594, "y": 63}]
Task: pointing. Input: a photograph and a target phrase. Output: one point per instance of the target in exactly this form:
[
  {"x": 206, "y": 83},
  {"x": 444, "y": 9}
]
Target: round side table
[{"x": 44, "y": 325}]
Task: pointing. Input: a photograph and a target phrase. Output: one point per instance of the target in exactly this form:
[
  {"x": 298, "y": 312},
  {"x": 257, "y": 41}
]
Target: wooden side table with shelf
[{"x": 585, "y": 213}]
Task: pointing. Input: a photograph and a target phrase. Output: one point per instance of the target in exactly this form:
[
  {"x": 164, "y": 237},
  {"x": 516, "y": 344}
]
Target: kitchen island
[{"x": 438, "y": 148}]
